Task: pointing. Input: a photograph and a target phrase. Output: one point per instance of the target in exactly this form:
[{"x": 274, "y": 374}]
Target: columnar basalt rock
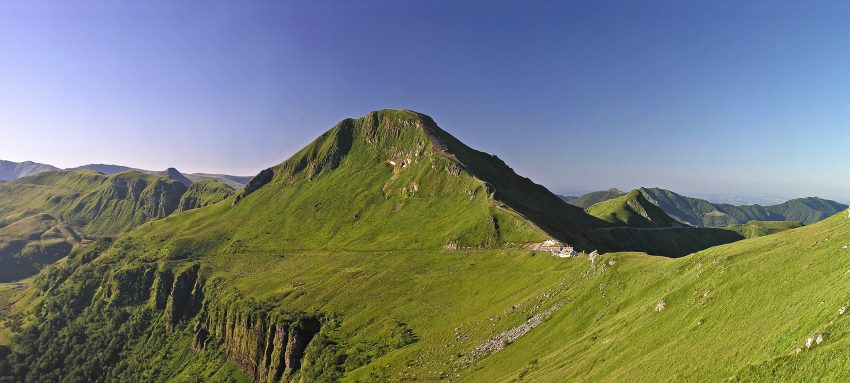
[
  {"x": 186, "y": 296},
  {"x": 131, "y": 286},
  {"x": 161, "y": 289},
  {"x": 268, "y": 348}
]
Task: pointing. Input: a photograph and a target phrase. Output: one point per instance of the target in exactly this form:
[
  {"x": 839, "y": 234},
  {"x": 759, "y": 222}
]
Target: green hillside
[
  {"x": 754, "y": 229},
  {"x": 634, "y": 210},
  {"x": 95, "y": 204},
  {"x": 737, "y": 311},
  {"x": 106, "y": 169},
  {"x": 593, "y": 198},
  {"x": 43, "y": 217},
  {"x": 204, "y": 193},
  {"x": 31, "y": 243},
  {"x": 701, "y": 213},
  {"x": 386, "y": 250},
  {"x": 430, "y": 315},
  {"x": 807, "y": 210}
]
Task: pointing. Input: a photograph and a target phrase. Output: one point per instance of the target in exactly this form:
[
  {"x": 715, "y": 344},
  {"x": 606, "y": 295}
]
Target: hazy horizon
[{"x": 710, "y": 98}]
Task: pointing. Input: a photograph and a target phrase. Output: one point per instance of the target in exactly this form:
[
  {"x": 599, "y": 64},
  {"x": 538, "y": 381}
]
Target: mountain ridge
[
  {"x": 84, "y": 205},
  {"x": 12, "y": 170},
  {"x": 702, "y": 213},
  {"x": 698, "y": 212},
  {"x": 28, "y": 168}
]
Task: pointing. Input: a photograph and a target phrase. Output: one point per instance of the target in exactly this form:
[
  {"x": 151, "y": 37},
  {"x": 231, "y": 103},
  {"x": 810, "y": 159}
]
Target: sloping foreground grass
[
  {"x": 450, "y": 302},
  {"x": 737, "y": 311}
]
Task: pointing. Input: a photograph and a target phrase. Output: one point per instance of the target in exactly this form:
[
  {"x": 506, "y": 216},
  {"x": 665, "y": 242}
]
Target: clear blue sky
[{"x": 712, "y": 97}]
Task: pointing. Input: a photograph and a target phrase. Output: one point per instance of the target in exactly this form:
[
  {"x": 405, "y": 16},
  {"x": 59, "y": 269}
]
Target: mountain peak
[
  {"x": 392, "y": 136},
  {"x": 632, "y": 209},
  {"x": 174, "y": 174},
  {"x": 403, "y": 157}
]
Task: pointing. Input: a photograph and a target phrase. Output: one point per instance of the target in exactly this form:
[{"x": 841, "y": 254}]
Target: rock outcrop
[
  {"x": 265, "y": 176},
  {"x": 186, "y": 296},
  {"x": 267, "y": 347}
]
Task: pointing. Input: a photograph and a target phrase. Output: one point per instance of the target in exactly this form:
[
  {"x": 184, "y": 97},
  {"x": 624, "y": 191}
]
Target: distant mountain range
[
  {"x": 44, "y": 216},
  {"x": 14, "y": 170},
  {"x": 701, "y": 213}
]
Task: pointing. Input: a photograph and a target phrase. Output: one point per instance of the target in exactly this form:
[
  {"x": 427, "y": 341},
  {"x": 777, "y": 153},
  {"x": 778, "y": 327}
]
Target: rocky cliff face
[
  {"x": 269, "y": 346},
  {"x": 186, "y": 296},
  {"x": 123, "y": 201}
]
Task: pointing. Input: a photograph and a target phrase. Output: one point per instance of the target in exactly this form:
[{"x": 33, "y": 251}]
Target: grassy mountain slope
[
  {"x": 235, "y": 182},
  {"x": 14, "y": 170},
  {"x": 593, "y": 198},
  {"x": 42, "y": 217},
  {"x": 634, "y": 210},
  {"x": 386, "y": 250},
  {"x": 754, "y": 229},
  {"x": 701, "y": 213},
  {"x": 96, "y": 204},
  {"x": 736, "y": 311},
  {"x": 32, "y": 242},
  {"x": 204, "y": 193},
  {"x": 398, "y": 168}
]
